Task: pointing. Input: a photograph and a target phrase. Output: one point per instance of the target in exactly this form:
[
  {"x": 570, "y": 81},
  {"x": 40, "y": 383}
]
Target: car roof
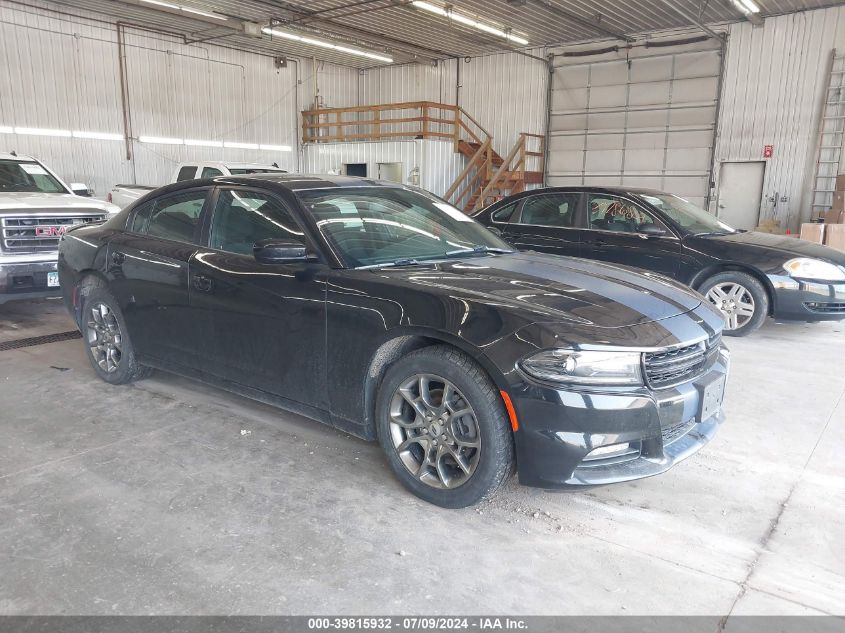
[
  {"x": 235, "y": 165},
  {"x": 290, "y": 182},
  {"x": 18, "y": 157}
]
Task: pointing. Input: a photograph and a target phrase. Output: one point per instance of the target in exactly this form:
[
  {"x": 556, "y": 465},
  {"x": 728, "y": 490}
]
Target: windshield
[
  {"x": 29, "y": 177},
  {"x": 371, "y": 226},
  {"x": 239, "y": 171},
  {"x": 686, "y": 215}
]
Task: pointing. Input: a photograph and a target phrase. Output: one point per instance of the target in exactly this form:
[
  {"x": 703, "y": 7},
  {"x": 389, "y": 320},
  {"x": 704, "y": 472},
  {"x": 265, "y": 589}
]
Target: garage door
[{"x": 643, "y": 117}]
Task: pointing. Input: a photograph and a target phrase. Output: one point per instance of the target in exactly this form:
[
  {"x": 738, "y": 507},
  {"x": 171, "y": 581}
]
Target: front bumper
[
  {"x": 25, "y": 276},
  {"x": 559, "y": 428},
  {"x": 800, "y": 300}
]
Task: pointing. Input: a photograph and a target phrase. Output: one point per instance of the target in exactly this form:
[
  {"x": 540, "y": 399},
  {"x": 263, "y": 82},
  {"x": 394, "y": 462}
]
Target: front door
[
  {"x": 148, "y": 269},
  {"x": 548, "y": 223},
  {"x": 613, "y": 234},
  {"x": 741, "y": 194},
  {"x": 269, "y": 322}
]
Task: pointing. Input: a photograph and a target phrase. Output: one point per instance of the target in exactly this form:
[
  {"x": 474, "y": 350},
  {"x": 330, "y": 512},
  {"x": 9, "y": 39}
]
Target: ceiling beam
[
  {"x": 672, "y": 4},
  {"x": 589, "y": 23}
]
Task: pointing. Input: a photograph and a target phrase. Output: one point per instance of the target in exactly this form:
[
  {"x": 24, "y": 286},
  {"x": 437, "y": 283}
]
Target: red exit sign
[{"x": 768, "y": 151}]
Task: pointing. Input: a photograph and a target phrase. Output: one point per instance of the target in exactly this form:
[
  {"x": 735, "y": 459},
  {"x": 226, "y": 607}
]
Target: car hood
[
  {"x": 548, "y": 288},
  {"x": 788, "y": 246},
  {"x": 23, "y": 201}
]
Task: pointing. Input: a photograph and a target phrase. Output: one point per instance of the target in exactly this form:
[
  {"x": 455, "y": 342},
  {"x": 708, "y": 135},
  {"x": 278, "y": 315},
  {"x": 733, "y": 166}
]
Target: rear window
[{"x": 186, "y": 173}]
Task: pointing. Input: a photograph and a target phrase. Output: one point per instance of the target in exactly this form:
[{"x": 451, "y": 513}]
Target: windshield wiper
[
  {"x": 706, "y": 233},
  {"x": 406, "y": 261},
  {"x": 478, "y": 250}
]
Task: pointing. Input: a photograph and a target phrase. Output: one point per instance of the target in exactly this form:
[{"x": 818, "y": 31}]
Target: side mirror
[
  {"x": 280, "y": 251},
  {"x": 80, "y": 189},
  {"x": 650, "y": 230}
]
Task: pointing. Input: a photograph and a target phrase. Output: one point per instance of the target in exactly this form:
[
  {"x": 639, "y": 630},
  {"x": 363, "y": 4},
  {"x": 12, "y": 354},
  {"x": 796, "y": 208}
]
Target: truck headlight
[
  {"x": 585, "y": 367},
  {"x": 807, "y": 268}
]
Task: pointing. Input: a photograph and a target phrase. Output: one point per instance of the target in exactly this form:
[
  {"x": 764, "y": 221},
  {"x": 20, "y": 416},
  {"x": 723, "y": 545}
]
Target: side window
[
  {"x": 210, "y": 172},
  {"x": 138, "y": 223},
  {"x": 608, "y": 213},
  {"x": 176, "y": 217},
  {"x": 504, "y": 214},
  {"x": 188, "y": 172},
  {"x": 554, "y": 209},
  {"x": 242, "y": 218}
]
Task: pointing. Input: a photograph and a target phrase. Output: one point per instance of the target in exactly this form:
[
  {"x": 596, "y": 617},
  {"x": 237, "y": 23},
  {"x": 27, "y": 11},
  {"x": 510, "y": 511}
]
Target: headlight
[
  {"x": 585, "y": 368},
  {"x": 813, "y": 269}
]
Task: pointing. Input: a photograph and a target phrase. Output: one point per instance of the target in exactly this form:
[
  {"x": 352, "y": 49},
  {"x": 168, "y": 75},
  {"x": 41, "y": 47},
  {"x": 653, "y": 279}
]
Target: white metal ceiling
[{"x": 406, "y": 33}]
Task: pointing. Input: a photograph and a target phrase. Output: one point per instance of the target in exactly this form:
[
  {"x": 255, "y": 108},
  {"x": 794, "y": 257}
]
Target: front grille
[
  {"x": 39, "y": 233},
  {"x": 680, "y": 364},
  {"x": 676, "y": 431},
  {"x": 825, "y": 308}
]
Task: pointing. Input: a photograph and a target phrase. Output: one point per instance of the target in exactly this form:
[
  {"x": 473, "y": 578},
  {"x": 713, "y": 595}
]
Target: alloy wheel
[
  {"x": 734, "y": 301},
  {"x": 105, "y": 338},
  {"x": 435, "y": 431}
]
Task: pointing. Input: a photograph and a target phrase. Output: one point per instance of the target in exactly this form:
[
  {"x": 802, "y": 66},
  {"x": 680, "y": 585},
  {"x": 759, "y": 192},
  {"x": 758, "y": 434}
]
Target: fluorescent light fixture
[
  {"x": 747, "y": 7},
  {"x": 203, "y": 13},
  {"x": 37, "y": 131},
  {"x": 176, "y": 7},
  {"x": 235, "y": 145},
  {"x": 5, "y": 129},
  {"x": 100, "y": 136},
  {"x": 161, "y": 140},
  {"x": 472, "y": 22},
  {"x": 276, "y": 148},
  {"x": 323, "y": 44},
  {"x": 189, "y": 141}
]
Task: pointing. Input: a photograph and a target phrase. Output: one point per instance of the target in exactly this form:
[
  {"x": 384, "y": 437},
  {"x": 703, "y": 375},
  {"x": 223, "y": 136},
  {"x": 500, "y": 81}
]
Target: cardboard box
[
  {"x": 834, "y": 236},
  {"x": 813, "y": 232},
  {"x": 834, "y": 217},
  {"x": 838, "y": 203},
  {"x": 840, "y": 182}
]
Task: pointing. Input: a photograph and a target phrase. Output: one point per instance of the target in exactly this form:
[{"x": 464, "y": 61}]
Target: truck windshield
[
  {"x": 238, "y": 171},
  {"x": 28, "y": 177}
]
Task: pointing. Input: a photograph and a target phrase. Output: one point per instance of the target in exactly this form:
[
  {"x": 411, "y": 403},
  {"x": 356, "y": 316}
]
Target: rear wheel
[
  {"x": 741, "y": 298},
  {"x": 107, "y": 340},
  {"x": 443, "y": 427}
]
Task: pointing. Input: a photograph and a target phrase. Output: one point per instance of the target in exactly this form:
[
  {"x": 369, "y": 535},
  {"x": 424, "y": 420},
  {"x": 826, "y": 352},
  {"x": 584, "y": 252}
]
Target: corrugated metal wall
[
  {"x": 774, "y": 82},
  {"x": 61, "y": 71}
]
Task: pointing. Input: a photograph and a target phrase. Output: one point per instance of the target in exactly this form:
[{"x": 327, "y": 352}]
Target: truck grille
[
  {"x": 39, "y": 233},
  {"x": 681, "y": 364}
]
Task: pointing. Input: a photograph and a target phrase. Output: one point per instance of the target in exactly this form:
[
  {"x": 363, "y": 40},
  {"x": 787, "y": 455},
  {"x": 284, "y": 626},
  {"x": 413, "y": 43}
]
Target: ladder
[{"x": 831, "y": 136}]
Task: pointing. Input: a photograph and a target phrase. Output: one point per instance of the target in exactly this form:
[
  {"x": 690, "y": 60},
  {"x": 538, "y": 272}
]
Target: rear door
[
  {"x": 612, "y": 235},
  {"x": 547, "y": 222},
  {"x": 269, "y": 320},
  {"x": 148, "y": 268}
]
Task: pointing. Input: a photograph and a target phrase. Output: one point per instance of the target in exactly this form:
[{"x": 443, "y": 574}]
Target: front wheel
[
  {"x": 443, "y": 427},
  {"x": 741, "y": 299}
]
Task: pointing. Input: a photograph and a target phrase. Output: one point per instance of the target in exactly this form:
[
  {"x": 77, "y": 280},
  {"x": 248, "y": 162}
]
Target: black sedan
[
  {"x": 746, "y": 275},
  {"x": 391, "y": 315}
]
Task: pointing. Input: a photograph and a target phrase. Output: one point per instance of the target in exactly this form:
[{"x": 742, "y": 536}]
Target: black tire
[
  {"x": 127, "y": 367},
  {"x": 753, "y": 287},
  {"x": 495, "y": 459}
]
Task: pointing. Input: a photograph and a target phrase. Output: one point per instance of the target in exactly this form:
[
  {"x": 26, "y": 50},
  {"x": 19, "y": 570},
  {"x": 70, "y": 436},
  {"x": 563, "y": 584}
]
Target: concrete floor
[{"x": 169, "y": 497}]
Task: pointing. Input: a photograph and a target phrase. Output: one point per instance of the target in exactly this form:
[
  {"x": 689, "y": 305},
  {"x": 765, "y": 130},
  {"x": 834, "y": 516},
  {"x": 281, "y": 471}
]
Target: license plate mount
[
  {"x": 712, "y": 395},
  {"x": 52, "y": 279}
]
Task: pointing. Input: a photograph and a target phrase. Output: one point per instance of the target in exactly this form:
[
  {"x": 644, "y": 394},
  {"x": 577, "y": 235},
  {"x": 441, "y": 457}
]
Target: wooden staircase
[{"x": 488, "y": 177}]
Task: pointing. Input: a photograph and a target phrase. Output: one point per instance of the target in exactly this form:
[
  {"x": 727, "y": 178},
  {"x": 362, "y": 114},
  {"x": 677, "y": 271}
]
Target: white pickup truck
[
  {"x": 36, "y": 208},
  {"x": 123, "y": 195}
]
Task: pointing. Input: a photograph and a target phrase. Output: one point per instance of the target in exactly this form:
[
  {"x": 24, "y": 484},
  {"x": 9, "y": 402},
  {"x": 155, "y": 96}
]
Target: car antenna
[
  {"x": 276, "y": 165},
  {"x": 14, "y": 153}
]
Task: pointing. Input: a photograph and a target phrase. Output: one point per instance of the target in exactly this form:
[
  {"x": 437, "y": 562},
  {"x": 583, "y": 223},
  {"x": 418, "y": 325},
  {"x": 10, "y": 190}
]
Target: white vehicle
[
  {"x": 123, "y": 195},
  {"x": 36, "y": 208}
]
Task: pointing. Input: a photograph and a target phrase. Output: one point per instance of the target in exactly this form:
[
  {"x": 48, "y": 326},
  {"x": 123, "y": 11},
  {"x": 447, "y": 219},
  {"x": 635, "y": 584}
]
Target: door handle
[
  {"x": 599, "y": 242},
  {"x": 202, "y": 283},
  {"x": 117, "y": 258}
]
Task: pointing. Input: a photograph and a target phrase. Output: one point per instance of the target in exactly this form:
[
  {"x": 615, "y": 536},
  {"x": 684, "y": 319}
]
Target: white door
[
  {"x": 641, "y": 118},
  {"x": 390, "y": 171},
  {"x": 741, "y": 194}
]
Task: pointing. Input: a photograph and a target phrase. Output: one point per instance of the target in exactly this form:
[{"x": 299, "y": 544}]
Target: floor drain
[{"x": 40, "y": 340}]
